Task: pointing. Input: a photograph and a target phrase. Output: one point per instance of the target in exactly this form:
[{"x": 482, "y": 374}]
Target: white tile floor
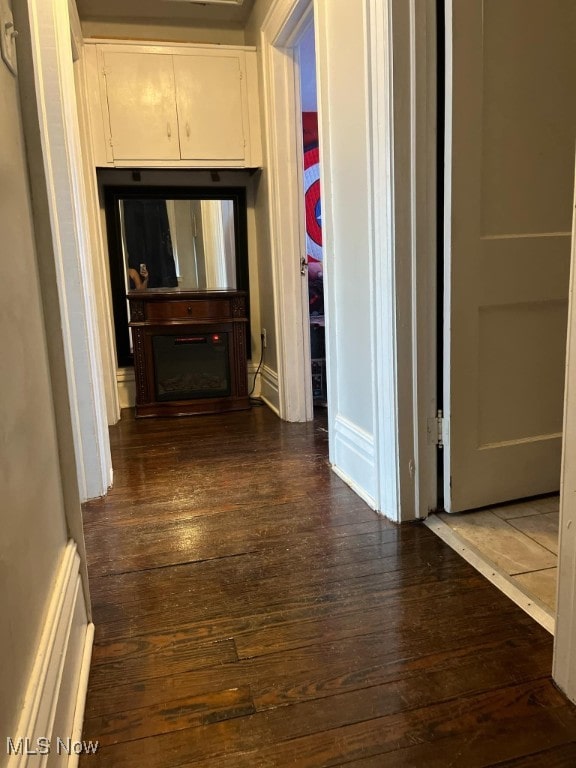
[{"x": 519, "y": 540}]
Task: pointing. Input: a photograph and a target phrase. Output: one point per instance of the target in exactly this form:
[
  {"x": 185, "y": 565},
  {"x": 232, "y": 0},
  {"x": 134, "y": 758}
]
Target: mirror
[
  {"x": 159, "y": 238},
  {"x": 186, "y": 244}
]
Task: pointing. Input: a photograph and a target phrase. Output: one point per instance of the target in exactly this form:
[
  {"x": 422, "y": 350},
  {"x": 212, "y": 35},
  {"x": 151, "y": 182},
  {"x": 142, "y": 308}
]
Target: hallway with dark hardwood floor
[{"x": 252, "y": 612}]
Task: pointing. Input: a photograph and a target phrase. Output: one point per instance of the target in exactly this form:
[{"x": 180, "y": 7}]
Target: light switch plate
[{"x": 7, "y": 36}]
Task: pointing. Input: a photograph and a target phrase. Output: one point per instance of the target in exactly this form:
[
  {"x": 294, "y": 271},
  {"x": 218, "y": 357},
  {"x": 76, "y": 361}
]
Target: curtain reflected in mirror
[{"x": 186, "y": 244}]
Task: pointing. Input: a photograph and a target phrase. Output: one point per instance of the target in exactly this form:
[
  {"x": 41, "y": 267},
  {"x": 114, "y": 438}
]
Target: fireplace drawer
[{"x": 190, "y": 310}]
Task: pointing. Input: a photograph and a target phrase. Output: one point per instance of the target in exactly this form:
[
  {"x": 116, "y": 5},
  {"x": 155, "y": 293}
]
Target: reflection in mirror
[{"x": 186, "y": 244}]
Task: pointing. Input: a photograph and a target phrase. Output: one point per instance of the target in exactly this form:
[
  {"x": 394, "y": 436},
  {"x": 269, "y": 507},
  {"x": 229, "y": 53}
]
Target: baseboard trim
[
  {"x": 80, "y": 706},
  {"x": 355, "y": 487},
  {"x": 269, "y": 389},
  {"x": 354, "y": 459},
  {"x": 254, "y": 382},
  {"x": 126, "y": 387},
  {"x": 53, "y": 688}
]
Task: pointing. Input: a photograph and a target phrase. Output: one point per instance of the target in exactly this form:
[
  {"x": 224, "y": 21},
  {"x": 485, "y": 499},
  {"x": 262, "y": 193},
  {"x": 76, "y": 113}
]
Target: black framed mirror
[{"x": 187, "y": 238}]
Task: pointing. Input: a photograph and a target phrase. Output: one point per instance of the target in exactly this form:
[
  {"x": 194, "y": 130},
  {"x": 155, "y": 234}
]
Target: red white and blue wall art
[
  {"x": 312, "y": 188},
  {"x": 313, "y": 201},
  {"x": 313, "y": 204}
]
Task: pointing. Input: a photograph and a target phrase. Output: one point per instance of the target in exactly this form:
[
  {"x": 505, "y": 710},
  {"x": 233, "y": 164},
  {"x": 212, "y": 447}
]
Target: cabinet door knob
[
  {"x": 169, "y": 130},
  {"x": 188, "y": 130}
]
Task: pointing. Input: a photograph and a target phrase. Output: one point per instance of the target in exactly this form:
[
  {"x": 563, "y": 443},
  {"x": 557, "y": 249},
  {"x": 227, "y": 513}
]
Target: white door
[
  {"x": 142, "y": 106},
  {"x": 510, "y": 131},
  {"x": 211, "y": 106}
]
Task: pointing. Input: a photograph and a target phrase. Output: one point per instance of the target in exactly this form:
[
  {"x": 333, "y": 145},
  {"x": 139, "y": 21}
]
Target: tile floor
[{"x": 520, "y": 540}]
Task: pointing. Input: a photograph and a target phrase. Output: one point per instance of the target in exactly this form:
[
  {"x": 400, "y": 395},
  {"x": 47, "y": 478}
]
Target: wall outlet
[{"x": 264, "y": 337}]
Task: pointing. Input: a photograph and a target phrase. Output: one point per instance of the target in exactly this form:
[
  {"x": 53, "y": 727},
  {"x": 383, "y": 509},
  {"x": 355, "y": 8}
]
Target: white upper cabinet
[
  {"x": 141, "y": 106},
  {"x": 173, "y": 105}
]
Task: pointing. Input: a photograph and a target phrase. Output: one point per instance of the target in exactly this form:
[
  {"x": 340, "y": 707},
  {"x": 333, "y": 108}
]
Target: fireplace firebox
[
  {"x": 190, "y": 366},
  {"x": 189, "y": 351}
]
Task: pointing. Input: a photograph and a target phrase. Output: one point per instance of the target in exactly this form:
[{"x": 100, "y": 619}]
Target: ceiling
[{"x": 176, "y": 11}]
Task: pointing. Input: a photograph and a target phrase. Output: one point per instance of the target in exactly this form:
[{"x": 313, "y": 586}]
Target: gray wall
[{"x": 33, "y": 528}]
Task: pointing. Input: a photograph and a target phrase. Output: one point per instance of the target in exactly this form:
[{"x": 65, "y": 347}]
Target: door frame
[
  {"x": 51, "y": 122},
  {"x": 401, "y": 64},
  {"x": 413, "y": 87},
  {"x": 284, "y": 152}
]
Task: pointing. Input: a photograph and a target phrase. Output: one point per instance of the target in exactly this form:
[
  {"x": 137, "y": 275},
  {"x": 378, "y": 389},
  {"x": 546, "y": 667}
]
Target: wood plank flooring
[{"x": 252, "y": 612}]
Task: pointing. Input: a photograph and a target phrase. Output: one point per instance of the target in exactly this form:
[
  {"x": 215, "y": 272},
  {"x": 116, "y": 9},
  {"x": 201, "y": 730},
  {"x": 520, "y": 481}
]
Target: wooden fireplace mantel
[{"x": 174, "y": 312}]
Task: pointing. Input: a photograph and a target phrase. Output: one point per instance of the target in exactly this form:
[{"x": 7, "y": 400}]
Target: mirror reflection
[{"x": 188, "y": 244}]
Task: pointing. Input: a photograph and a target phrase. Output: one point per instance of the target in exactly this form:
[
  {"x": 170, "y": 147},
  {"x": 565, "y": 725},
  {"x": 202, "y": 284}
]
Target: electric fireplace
[
  {"x": 189, "y": 351},
  {"x": 190, "y": 366}
]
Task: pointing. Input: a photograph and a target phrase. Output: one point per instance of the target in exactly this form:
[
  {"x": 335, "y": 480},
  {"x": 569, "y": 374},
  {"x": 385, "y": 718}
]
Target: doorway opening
[
  {"x": 287, "y": 38},
  {"x": 312, "y": 262}
]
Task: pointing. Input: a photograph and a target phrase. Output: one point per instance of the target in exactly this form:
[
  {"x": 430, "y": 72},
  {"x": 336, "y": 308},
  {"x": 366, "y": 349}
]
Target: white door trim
[
  {"x": 424, "y": 204},
  {"x": 84, "y": 61},
  {"x": 401, "y": 60},
  {"x": 564, "y": 666},
  {"x": 403, "y": 85},
  {"x": 49, "y": 23},
  {"x": 386, "y": 341},
  {"x": 284, "y": 154}
]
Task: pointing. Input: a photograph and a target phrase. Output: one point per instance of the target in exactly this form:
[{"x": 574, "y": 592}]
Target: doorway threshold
[{"x": 505, "y": 582}]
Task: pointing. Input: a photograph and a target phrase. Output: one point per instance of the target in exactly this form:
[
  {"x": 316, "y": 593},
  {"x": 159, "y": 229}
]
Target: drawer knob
[{"x": 189, "y": 310}]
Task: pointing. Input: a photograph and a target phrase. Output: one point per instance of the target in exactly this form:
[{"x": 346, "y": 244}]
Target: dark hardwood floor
[{"x": 251, "y": 611}]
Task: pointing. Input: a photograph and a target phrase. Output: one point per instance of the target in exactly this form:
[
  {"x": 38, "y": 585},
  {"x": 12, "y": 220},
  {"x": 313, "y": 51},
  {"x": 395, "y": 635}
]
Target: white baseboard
[
  {"x": 355, "y": 487},
  {"x": 354, "y": 459},
  {"x": 126, "y": 387},
  {"x": 254, "y": 380},
  {"x": 269, "y": 391},
  {"x": 78, "y": 720},
  {"x": 56, "y": 690}
]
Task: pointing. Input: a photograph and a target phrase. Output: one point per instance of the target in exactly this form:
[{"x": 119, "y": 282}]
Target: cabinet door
[
  {"x": 211, "y": 106},
  {"x": 141, "y": 106}
]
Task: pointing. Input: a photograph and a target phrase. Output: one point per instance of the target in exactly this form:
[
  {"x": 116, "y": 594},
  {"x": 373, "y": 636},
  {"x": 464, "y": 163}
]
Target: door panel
[
  {"x": 511, "y": 119},
  {"x": 210, "y": 107},
  {"x": 142, "y": 106}
]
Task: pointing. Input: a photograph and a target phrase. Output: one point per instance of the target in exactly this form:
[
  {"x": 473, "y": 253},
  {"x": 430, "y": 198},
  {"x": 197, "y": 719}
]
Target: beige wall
[
  {"x": 255, "y": 21},
  {"x": 155, "y": 30},
  {"x": 33, "y": 523},
  {"x": 265, "y": 272}
]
